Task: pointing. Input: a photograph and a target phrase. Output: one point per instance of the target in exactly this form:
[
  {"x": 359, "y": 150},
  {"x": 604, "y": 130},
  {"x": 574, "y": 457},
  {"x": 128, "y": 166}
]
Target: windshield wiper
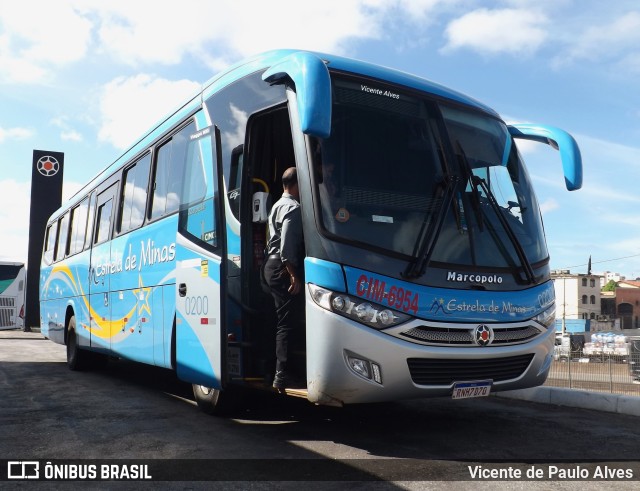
[
  {"x": 475, "y": 194},
  {"x": 522, "y": 255},
  {"x": 430, "y": 231},
  {"x": 476, "y": 181}
]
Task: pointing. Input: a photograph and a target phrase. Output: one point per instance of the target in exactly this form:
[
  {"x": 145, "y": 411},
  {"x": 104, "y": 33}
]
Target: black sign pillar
[{"x": 46, "y": 197}]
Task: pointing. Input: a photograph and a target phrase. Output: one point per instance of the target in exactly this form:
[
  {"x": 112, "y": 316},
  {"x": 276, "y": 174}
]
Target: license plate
[{"x": 465, "y": 390}]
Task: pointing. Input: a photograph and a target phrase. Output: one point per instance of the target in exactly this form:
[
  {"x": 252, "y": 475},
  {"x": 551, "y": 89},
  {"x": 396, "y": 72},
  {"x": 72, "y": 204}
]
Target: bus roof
[
  {"x": 262, "y": 62},
  {"x": 339, "y": 63}
]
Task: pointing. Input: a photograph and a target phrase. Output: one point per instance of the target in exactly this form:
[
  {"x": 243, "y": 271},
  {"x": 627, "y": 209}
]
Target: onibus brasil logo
[{"x": 48, "y": 166}]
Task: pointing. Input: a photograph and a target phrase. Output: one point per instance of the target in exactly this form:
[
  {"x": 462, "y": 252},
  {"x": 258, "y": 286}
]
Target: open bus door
[{"x": 200, "y": 342}]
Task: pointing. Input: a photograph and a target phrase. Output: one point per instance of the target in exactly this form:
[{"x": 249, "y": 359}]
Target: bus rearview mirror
[
  {"x": 560, "y": 140},
  {"x": 313, "y": 90}
]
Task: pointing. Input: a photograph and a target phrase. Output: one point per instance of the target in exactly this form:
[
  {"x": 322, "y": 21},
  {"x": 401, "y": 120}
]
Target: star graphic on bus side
[{"x": 142, "y": 295}]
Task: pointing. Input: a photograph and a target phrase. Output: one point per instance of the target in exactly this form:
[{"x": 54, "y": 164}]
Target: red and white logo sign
[
  {"x": 48, "y": 166},
  {"x": 483, "y": 335}
]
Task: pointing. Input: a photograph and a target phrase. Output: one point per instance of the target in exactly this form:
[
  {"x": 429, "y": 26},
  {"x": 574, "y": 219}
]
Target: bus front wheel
[{"x": 213, "y": 401}]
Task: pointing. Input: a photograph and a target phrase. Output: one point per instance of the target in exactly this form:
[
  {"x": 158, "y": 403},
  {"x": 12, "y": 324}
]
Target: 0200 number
[{"x": 198, "y": 305}]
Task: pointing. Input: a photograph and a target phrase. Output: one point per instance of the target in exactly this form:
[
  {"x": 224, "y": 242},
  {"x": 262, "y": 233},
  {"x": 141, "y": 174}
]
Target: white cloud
[
  {"x": 610, "y": 157},
  {"x": 548, "y": 206},
  {"x": 63, "y": 32},
  {"x": 224, "y": 30},
  {"x": 420, "y": 9},
  {"x": 611, "y": 41},
  {"x": 67, "y": 133},
  {"x": 69, "y": 188},
  {"x": 216, "y": 33},
  {"x": 213, "y": 33},
  {"x": 38, "y": 36},
  {"x": 15, "y": 204},
  {"x": 513, "y": 31},
  {"x": 129, "y": 106},
  {"x": 71, "y": 135},
  {"x": 14, "y": 219},
  {"x": 15, "y": 134}
]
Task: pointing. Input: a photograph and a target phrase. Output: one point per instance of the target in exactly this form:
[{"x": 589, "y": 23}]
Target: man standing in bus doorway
[{"x": 284, "y": 274}]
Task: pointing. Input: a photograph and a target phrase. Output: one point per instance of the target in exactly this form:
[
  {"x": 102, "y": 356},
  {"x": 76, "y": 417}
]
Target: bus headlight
[{"x": 365, "y": 312}]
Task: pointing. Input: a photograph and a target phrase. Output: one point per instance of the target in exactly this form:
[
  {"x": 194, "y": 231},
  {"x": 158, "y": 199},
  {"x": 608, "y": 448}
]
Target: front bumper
[{"x": 410, "y": 369}]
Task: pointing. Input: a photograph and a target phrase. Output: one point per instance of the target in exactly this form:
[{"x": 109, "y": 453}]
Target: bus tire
[
  {"x": 77, "y": 359},
  {"x": 213, "y": 401}
]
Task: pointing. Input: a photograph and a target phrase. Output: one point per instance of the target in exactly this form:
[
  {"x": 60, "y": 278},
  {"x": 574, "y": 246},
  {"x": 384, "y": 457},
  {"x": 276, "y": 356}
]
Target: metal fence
[{"x": 612, "y": 374}]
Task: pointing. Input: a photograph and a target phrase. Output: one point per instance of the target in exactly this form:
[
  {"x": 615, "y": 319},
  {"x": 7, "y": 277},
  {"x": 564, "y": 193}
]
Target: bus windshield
[{"x": 399, "y": 171}]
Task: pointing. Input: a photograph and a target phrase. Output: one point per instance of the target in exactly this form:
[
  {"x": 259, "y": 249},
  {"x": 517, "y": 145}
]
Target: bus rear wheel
[
  {"x": 77, "y": 359},
  {"x": 213, "y": 401}
]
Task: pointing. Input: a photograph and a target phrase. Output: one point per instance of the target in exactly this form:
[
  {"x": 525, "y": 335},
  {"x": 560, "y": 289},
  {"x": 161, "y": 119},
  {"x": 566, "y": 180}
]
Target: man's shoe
[{"x": 283, "y": 380}]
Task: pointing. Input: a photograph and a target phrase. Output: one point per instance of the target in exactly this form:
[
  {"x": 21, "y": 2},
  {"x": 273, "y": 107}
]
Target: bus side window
[
  {"x": 103, "y": 222},
  {"x": 50, "y": 242},
  {"x": 134, "y": 195},
  {"x": 90, "y": 227},
  {"x": 63, "y": 235},
  {"x": 78, "y": 226},
  {"x": 169, "y": 169},
  {"x": 198, "y": 215}
]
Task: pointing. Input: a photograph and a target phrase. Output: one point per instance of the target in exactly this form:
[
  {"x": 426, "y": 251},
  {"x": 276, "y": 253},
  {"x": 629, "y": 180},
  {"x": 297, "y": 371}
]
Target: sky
[{"x": 88, "y": 77}]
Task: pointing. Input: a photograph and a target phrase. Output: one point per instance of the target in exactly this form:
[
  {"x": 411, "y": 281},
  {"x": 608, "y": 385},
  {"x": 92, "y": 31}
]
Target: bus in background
[
  {"x": 426, "y": 270},
  {"x": 13, "y": 278}
]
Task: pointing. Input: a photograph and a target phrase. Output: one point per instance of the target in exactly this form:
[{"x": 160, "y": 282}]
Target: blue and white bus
[
  {"x": 13, "y": 278},
  {"x": 426, "y": 270}
]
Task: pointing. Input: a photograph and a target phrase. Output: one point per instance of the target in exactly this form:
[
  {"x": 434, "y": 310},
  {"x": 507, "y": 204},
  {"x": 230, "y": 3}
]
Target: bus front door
[{"x": 200, "y": 272}]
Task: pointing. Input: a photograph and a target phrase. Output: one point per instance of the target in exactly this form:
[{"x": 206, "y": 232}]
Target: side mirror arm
[{"x": 560, "y": 140}]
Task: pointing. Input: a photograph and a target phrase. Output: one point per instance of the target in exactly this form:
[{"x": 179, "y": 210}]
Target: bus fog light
[
  {"x": 363, "y": 367},
  {"x": 359, "y": 366}
]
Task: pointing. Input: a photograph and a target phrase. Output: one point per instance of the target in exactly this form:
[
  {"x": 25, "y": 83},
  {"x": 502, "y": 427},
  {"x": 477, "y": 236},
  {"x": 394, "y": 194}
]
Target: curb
[{"x": 598, "y": 401}]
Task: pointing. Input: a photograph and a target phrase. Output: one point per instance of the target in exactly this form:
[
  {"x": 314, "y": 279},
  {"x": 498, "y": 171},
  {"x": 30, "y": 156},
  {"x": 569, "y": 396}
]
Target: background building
[
  {"x": 628, "y": 304},
  {"x": 608, "y": 276},
  {"x": 578, "y": 302}
]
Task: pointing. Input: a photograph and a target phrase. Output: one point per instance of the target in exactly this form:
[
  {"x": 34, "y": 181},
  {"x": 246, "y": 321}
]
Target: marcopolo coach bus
[
  {"x": 426, "y": 270},
  {"x": 13, "y": 278}
]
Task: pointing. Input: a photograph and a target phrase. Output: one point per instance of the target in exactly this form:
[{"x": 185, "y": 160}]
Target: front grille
[
  {"x": 514, "y": 335},
  {"x": 434, "y": 371},
  {"x": 465, "y": 336},
  {"x": 440, "y": 335}
]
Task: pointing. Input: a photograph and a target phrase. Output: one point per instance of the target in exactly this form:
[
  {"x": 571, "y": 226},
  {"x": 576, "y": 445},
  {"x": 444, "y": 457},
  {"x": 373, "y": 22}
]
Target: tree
[{"x": 610, "y": 286}]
